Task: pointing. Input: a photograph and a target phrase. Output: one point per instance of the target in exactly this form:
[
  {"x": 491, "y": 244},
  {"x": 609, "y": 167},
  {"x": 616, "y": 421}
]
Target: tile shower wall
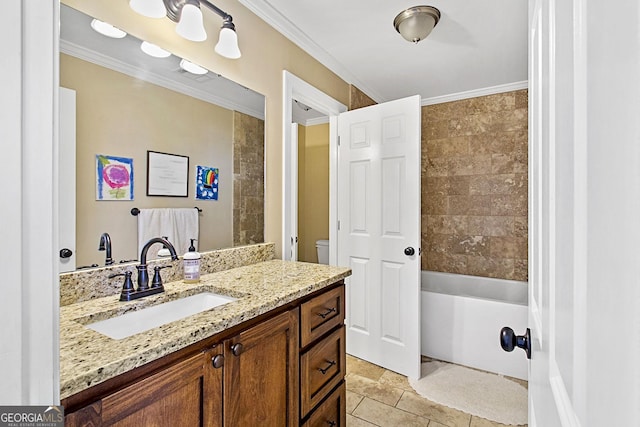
[
  {"x": 248, "y": 179},
  {"x": 358, "y": 99},
  {"x": 474, "y": 186}
]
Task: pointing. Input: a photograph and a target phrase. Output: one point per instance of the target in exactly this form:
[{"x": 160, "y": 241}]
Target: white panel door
[
  {"x": 67, "y": 181},
  {"x": 584, "y": 204},
  {"x": 379, "y": 232}
]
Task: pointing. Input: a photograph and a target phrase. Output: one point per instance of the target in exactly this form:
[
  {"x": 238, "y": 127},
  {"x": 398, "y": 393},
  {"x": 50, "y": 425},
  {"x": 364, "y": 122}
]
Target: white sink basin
[{"x": 148, "y": 318}]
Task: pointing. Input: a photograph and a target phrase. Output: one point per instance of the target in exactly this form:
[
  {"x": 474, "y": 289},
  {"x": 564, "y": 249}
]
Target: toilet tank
[{"x": 322, "y": 246}]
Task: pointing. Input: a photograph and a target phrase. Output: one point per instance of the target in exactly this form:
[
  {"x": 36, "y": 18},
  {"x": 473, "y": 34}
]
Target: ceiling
[{"x": 479, "y": 46}]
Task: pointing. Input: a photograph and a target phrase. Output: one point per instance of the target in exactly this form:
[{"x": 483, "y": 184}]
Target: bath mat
[{"x": 477, "y": 393}]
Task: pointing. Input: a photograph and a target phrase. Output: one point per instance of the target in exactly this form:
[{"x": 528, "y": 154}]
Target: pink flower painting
[{"x": 114, "y": 178}]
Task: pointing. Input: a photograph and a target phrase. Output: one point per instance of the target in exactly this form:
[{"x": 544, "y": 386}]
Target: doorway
[
  {"x": 302, "y": 92},
  {"x": 312, "y": 131}
]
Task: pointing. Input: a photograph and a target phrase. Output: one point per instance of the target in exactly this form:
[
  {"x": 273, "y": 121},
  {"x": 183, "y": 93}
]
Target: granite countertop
[{"x": 88, "y": 357}]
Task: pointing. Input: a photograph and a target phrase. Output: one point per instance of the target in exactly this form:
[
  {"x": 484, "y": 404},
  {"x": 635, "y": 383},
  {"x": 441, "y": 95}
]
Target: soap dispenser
[{"x": 192, "y": 265}]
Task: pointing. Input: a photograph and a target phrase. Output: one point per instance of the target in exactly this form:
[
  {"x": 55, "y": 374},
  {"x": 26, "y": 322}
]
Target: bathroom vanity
[{"x": 273, "y": 356}]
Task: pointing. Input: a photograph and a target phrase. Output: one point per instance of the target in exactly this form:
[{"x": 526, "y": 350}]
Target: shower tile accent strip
[
  {"x": 474, "y": 186},
  {"x": 248, "y": 179},
  {"x": 84, "y": 285}
]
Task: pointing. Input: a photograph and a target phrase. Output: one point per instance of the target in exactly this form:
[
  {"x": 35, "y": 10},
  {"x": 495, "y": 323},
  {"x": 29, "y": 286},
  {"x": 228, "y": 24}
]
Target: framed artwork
[
  {"x": 114, "y": 178},
  {"x": 167, "y": 174},
  {"x": 207, "y": 183}
]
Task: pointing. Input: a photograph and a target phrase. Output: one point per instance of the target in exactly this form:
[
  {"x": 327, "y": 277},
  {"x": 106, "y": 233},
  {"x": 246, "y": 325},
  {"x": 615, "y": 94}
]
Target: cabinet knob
[
  {"x": 332, "y": 423},
  {"x": 217, "y": 361},
  {"x": 236, "y": 349}
]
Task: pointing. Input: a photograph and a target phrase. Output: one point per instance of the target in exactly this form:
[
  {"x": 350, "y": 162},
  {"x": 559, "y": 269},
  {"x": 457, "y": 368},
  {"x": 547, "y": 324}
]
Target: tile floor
[{"x": 378, "y": 397}]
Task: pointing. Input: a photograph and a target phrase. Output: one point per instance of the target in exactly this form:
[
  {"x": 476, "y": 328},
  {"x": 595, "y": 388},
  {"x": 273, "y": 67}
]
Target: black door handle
[
  {"x": 509, "y": 340},
  {"x": 66, "y": 253},
  {"x": 409, "y": 251}
]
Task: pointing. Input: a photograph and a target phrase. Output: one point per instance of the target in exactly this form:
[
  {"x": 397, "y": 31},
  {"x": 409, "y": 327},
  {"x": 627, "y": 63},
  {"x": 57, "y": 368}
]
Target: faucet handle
[
  {"x": 127, "y": 287},
  {"x": 157, "y": 279}
]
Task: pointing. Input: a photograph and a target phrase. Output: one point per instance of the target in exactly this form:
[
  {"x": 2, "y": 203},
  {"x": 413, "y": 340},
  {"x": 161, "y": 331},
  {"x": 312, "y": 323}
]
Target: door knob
[
  {"x": 509, "y": 340},
  {"x": 66, "y": 253},
  {"x": 409, "y": 251}
]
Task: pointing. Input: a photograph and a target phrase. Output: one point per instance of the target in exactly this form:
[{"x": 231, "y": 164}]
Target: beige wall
[
  {"x": 265, "y": 54},
  {"x": 474, "y": 186},
  {"x": 116, "y": 117},
  {"x": 313, "y": 189}
]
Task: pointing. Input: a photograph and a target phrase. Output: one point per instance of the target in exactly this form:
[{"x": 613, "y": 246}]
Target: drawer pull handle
[
  {"x": 324, "y": 370},
  {"x": 332, "y": 423},
  {"x": 328, "y": 312}
]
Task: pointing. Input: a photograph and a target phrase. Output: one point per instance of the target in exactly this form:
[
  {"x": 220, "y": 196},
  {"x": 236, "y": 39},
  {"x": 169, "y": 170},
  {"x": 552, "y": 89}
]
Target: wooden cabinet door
[
  {"x": 261, "y": 374},
  {"x": 213, "y": 377},
  {"x": 172, "y": 397}
]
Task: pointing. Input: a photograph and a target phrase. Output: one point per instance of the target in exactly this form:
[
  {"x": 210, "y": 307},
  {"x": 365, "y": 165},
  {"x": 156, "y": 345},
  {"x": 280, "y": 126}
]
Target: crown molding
[
  {"x": 475, "y": 93},
  {"x": 317, "y": 121},
  {"x": 97, "y": 58},
  {"x": 266, "y": 12}
]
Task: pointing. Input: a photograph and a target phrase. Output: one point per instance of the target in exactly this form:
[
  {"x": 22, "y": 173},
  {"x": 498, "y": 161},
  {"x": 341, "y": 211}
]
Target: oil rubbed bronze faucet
[
  {"x": 105, "y": 244},
  {"x": 128, "y": 291}
]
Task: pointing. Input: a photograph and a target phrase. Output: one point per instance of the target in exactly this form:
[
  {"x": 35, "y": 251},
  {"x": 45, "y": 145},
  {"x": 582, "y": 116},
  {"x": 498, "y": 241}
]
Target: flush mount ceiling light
[
  {"x": 188, "y": 16},
  {"x": 107, "y": 29},
  {"x": 192, "y": 68},
  {"x": 415, "y": 23},
  {"x": 153, "y": 50}
]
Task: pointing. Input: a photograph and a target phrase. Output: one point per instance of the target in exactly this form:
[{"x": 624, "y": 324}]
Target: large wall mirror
[{"x": 129, "y": 103}]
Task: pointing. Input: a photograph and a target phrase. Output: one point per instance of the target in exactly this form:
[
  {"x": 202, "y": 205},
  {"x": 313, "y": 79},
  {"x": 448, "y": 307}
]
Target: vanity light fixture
[
  {"x": 192, "y": 68},
  {"x": 107, "y": 29},
  {"x": 416, "y": 23},
  {"x": 188, "y": 16},
  {"x": 154, "y": 50}
]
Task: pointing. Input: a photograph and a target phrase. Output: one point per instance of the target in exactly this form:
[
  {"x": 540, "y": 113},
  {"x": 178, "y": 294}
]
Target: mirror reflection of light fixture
[
  {"x": 416, "y": 23},
  {"x": 188, "y": 15},
  {"x": 192, "y": 68},
  {"x": 154, "y": 50},
  {"x": 107, "y": 29}
]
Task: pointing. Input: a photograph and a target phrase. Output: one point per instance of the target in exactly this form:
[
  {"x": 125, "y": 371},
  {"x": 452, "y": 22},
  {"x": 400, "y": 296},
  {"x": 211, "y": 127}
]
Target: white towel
[{"x": 179, "y": 225}]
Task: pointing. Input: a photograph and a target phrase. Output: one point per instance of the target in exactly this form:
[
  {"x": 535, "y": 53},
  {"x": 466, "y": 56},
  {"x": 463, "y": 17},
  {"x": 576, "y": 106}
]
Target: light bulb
[
  {"x": 107, "y": 29},
  {"x": 228, "y": 44},
  {"x": 190, "y": 26},
  {"x": 192, "y": 68},
  {"x": 153, "y": 50}
]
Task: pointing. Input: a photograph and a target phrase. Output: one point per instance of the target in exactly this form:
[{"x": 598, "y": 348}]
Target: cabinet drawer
[
  {"x": 322, "y": 367},
  {"x": 321, "y": 314},
  {"x": 331, "y": 412}
]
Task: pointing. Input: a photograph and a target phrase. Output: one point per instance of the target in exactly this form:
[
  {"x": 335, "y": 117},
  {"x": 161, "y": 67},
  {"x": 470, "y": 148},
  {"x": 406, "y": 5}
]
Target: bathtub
[{"x": 462, "y": 317}]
